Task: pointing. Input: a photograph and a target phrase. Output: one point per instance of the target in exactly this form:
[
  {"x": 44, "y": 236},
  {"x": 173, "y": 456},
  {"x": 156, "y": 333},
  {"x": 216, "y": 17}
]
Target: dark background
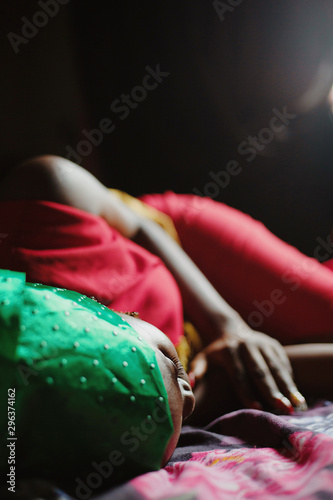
[{"x": 226, "y": 77}]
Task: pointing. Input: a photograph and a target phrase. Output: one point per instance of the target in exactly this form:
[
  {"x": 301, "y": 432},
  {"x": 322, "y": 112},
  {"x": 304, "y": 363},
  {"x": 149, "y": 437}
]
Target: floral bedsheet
[{"x": 249, "y": 454}]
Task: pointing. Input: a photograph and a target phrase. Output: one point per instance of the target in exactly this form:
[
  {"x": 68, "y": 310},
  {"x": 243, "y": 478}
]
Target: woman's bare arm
[
  {"x": 56, "y": 179},
  {"x": 246, "y": 355}
]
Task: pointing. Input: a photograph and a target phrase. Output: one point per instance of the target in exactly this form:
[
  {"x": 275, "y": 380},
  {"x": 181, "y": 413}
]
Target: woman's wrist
[{"x": 222, "y": 322}]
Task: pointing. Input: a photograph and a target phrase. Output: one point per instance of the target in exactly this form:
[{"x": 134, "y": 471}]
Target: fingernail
[
  {"x": 284, "y": 404},
  {"x": 299, "y": 401}
]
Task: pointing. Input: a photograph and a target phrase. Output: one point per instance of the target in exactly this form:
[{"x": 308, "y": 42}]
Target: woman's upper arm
[
  {"x": 118, "y": 215},
  {"x": 52, "y": 178}
]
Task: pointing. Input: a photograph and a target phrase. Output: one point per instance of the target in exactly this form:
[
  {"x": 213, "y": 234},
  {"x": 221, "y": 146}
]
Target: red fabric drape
[
  {"x": 66, "y": 247},
  {"x": 276, "y": 288}
]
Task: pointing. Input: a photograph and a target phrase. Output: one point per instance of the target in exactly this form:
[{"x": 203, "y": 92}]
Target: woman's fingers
[
  {"x": 272, "y": 374},
  {"x": 257, "y": 373},
  {"x": 239, "y": 378},
  {"x": 227, "y": 358},
  {"x": 261, "y": 374},
  {"x": 283, "y": 375}
]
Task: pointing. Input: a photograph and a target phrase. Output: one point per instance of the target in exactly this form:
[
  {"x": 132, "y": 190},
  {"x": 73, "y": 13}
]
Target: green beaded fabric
[{"x": 90, "y": 402}]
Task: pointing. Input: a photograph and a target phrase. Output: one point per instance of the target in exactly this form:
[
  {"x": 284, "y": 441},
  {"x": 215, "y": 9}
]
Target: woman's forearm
[
  {"x": 59, "y": 180},
  {"x": 202, "y": 303}
]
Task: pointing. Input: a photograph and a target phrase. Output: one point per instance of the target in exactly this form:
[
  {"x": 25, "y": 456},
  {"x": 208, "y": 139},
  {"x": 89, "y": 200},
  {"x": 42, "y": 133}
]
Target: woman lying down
[
  {"x": 92, "y": 393},
  {"x": 94, "y": 386},
  {"x": 89, "y": 389}
]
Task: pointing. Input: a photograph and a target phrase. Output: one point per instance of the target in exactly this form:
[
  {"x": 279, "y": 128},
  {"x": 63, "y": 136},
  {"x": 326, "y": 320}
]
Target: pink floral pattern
[{"x": 302, "y": 468}]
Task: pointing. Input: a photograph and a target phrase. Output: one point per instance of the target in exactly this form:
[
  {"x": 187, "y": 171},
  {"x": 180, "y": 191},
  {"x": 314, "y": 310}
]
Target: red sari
[{"x": 274, "y": 287}]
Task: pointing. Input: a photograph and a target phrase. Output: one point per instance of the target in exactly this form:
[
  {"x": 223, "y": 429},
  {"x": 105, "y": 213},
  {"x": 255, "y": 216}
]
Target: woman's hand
[{"x": 257, "y": 366}]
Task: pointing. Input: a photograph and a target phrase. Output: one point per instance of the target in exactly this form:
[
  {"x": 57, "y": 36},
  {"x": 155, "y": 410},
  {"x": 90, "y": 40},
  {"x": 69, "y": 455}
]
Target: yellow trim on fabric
[
  {"x": 190, "y": 343},
  {"x": 145, "y": 210}
]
